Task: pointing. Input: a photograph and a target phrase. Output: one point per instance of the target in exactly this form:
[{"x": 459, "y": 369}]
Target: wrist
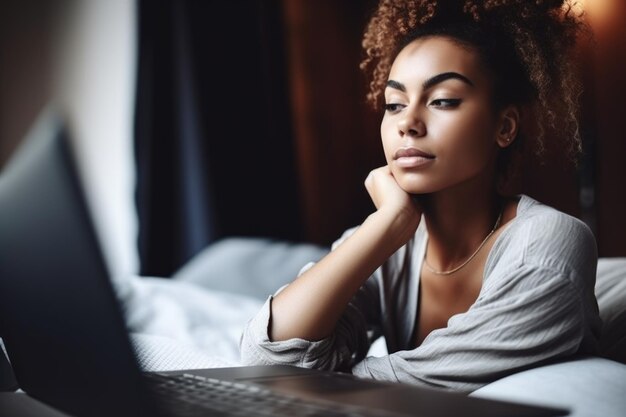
[{"x": 397, "y": 226}]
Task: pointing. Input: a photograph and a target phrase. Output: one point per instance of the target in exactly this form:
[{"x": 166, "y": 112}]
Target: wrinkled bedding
[{"x": 178, "y": 325}]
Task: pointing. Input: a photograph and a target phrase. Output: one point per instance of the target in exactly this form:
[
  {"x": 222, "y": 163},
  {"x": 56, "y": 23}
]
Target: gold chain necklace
[{"x": 452, "y": 271}]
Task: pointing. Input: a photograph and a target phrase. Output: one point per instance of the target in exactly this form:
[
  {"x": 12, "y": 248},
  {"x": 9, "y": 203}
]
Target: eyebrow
[{"x": 432, "y": 81}]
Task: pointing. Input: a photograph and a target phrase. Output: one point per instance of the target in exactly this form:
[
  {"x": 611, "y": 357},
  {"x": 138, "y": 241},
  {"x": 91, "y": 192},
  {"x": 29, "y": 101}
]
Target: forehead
[{"x": 426, "y": 57}]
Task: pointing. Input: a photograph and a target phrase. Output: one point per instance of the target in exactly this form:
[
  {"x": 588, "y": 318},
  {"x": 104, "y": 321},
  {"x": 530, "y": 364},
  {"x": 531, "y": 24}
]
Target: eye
[
  {"x": 393, "y": 107},
  {"x": 445, "y": 103}
]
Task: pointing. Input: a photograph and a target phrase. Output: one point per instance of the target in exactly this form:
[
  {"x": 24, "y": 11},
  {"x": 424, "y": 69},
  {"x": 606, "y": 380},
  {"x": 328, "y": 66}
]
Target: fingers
[
  {"x": 392, "y": 201},
  {"x": 381, "y": 186},
  {"x": 376, "y": 174}
]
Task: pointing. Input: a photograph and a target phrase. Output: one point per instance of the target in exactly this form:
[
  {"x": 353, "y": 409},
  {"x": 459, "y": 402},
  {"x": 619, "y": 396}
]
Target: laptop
[{"x": 66, "y": 337}]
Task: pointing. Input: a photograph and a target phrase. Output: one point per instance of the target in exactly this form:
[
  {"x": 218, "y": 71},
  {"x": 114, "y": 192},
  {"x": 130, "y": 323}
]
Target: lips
[
  {"x": 412, "y": 158},
  {"x": 411, "y": 152}
]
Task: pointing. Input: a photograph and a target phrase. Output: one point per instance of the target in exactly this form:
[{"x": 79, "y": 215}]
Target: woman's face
[{"x": 439, "y": 128}]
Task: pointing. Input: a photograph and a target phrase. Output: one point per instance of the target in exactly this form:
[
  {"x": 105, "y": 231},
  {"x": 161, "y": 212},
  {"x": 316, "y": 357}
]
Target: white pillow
[
  {"x": 611, "y": 295},
  {"x": 250, "y": 266},
  {"x": 586, "y": 386}
]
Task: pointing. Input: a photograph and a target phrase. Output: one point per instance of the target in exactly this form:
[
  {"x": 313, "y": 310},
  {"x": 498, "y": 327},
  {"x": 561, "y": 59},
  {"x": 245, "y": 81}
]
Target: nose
[{"x": 411, "y": 124}]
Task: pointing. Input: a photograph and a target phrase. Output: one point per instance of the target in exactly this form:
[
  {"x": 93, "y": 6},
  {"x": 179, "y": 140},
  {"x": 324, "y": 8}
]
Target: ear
[{"x": 508, "y": 126}]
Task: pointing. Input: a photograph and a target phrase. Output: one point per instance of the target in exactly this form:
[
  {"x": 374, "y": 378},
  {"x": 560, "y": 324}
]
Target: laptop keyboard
[{"x": 193, "y": 395}]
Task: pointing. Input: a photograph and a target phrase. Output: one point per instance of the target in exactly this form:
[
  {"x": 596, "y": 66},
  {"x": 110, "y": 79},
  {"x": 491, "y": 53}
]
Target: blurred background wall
[
  {"x": 195, "y": 120},
  {"x": 605, "y": 112},
  {"x": 81, "y": 55}
]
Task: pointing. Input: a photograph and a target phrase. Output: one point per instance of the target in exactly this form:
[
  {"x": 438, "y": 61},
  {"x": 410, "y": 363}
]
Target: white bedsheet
[{"x": 178, "y": 325}]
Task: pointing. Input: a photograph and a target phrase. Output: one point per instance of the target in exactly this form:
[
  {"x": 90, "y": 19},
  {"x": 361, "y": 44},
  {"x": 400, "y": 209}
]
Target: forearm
[{"x": 310, "y": 307}]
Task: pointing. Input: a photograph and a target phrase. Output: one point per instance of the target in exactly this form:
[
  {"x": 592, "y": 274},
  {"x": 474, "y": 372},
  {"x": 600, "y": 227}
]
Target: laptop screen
[{"x": 62, "y": 328}]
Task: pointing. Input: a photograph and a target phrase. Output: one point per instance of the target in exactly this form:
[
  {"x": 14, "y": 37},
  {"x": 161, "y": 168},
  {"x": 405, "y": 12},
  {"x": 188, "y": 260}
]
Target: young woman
[{"x": 466, "y": 285}]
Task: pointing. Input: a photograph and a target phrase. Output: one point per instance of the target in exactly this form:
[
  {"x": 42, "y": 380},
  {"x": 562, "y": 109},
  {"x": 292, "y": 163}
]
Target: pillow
[
  {"x": 250, "y": 266},
  {"x": 588, "y": 386},
  {"x": 611, "y": 295}
]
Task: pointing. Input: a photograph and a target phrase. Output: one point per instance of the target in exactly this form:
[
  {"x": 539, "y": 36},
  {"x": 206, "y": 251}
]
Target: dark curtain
[{"x": 213, "y": 144}]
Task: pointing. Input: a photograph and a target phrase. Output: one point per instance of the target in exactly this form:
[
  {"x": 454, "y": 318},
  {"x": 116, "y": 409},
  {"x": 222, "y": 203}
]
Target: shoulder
[
  {"x": 545, "y": 237},
  {"x": 550, "y": 233}
]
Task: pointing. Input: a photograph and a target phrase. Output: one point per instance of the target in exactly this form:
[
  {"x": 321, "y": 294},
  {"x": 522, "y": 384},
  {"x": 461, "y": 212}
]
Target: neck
[{"x": 458, "y": 220}]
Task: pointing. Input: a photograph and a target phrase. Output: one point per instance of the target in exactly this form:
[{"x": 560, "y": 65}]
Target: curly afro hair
[{"x": 526, "y": 45}]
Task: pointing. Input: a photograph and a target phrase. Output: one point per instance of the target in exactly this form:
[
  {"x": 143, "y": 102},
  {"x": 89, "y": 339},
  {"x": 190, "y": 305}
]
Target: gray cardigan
[{"x": 536, "y": 305}]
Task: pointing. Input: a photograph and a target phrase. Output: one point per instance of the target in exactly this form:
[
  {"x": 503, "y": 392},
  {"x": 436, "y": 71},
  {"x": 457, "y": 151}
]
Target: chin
[
  {"x": 415, "y": 182},
  {"x": 413, "y": 186}
]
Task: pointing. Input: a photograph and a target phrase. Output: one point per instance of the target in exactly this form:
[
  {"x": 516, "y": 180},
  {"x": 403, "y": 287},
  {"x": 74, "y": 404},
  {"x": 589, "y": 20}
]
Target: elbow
[{"x": 250, "y": 351}]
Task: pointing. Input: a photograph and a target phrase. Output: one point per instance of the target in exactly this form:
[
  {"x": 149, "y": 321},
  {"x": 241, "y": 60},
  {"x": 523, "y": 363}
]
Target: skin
[{"x": 438, "y": 101}]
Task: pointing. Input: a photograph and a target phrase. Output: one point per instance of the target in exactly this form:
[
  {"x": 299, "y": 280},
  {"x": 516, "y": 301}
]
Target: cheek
[
  {"x": 387, "y": 137},
  {"x": 470, "y": 141}
]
